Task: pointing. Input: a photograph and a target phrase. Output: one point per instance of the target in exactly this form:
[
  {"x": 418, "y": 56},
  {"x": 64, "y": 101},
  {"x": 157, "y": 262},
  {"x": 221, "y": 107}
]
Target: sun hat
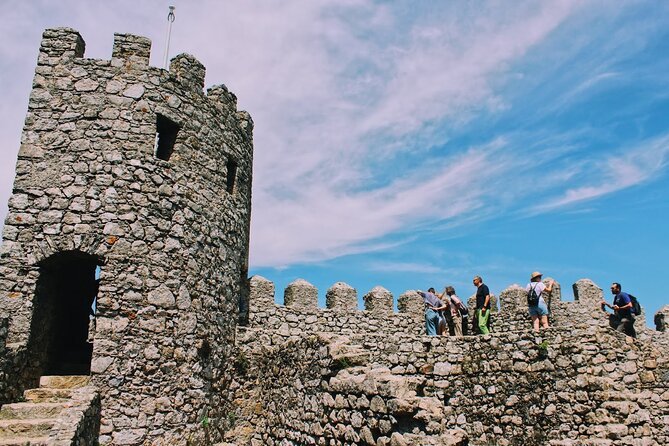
[{"x": 535, "y": 274}]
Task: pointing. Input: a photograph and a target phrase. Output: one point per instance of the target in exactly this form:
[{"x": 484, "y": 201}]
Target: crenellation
[
  {"x": 378, "y": 300},
  {"x": 301, "y": 294},
  {"x": 411, "y": 302},
  {"x": 587, "y": 292},
  {"x": 261, "y": 292},
  {"x": 188, "y": 71},
  {"x": 220, "y": 95},
  {"x": 132, "y": 50},
  {"x": 341, "y": 296},
  {"x": 59, "y": 45},
  {"x": 661, "y": 319}
]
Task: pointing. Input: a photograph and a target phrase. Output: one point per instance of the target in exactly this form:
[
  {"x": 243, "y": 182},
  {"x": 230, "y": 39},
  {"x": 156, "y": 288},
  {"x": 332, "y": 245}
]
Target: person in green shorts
[{"x": 482, "y": 305}]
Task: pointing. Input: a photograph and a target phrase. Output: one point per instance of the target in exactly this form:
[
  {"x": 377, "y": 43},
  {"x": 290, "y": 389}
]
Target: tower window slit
[
  {"x": 231, "y": 168},
  {"x": 166, "y": 136}
]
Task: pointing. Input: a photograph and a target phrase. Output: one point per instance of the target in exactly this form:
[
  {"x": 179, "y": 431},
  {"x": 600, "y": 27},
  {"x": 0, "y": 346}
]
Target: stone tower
[{"x": 132, "y": 196}]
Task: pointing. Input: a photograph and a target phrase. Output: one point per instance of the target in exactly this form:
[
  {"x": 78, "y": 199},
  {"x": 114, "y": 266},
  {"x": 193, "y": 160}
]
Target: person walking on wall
[
  {"x": 535, "y": 300},
  {"x": 458, "y": 311},
  {"x": 482, "y": 305},
  {"x": 432, "y": 307},
  {"x": 623, "y": 318}
]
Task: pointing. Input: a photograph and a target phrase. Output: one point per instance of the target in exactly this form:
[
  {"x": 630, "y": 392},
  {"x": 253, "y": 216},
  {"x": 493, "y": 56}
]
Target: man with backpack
[{"x": 622, "y": 318}]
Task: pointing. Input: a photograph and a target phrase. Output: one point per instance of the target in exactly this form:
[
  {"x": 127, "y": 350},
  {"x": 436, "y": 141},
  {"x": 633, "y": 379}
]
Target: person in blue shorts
[{"x": 539, "y": 312}]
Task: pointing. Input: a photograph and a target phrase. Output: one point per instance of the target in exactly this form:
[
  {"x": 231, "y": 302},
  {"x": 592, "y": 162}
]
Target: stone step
[
  {"x": 45, "y": 395},
  {"x": 27, "y": 410},
  {"x": 27, "y": 428},
  {"x": 64, "y": 382},
  {"x": 25, "y": 441}
]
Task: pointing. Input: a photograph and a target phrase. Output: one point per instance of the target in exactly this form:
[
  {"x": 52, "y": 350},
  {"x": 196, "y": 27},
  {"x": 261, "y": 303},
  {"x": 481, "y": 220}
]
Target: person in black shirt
[{"x": 482, "y": 305}]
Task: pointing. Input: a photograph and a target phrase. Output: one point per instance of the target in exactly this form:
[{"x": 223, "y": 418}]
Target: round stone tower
[{"x": 125, "y": 248}]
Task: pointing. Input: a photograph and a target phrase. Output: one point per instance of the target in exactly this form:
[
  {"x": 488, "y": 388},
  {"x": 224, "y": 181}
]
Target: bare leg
[
  {"x": 535, "y": 322},
  {"x": 544, "y": 321}
]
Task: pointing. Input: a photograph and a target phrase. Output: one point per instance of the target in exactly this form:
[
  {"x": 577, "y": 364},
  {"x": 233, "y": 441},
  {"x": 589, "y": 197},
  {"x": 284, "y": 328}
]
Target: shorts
[{"x": 539, "y": 310}]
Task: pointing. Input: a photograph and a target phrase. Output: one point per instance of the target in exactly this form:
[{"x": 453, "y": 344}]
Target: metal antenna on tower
[{"x": 170, "y": 20}]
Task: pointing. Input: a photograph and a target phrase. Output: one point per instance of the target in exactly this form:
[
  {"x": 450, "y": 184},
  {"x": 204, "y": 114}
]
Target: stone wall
[
  {"x": 387, "y": 383},
  {"x": 134, "y": 170},
  {"x": 302, "y": 314},
  {"x": 562, "y": 388},
  {"x": 341, "y": 314},
  {"x": 13, "y": 361}
]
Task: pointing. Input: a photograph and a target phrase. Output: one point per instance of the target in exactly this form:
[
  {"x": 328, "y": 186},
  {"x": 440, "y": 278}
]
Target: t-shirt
[
  {"x": 481, "y": 292},
  {"x": 431, "y": 299},
  {"x": 454, "y": 305},
  {"x": 539, "y": 288},
  {"x": 621, "y": 300}
]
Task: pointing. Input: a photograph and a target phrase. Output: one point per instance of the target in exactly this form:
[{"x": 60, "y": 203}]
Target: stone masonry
[
  {"x": 124, "y": 259},
  {"x": 136, "y": 172},
  {"x": 330, "y": 376}
]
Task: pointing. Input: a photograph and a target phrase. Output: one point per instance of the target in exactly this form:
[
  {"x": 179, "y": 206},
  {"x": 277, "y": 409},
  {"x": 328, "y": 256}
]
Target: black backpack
[
  {"x": 532, "y": 297},
  {"x": 636, "y": 306}
]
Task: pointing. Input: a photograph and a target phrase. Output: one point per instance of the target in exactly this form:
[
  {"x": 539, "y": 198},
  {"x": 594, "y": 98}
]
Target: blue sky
[{"x": 416, "y": 144}]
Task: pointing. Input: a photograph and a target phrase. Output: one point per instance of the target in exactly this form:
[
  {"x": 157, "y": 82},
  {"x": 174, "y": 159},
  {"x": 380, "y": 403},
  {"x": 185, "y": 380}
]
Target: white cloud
[
  {"x": 349, "y": 100},
  {"x": 632, "y": 167}
]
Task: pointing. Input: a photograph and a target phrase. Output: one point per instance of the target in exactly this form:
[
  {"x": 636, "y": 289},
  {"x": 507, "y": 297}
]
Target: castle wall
[
  {"x": 302, "y": 315},
  {"x": 170, "y": 235},
  {"x": 506, "y": 389}
]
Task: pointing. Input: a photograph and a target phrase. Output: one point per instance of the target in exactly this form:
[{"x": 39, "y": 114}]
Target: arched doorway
[{"x": 62, "y": 309}]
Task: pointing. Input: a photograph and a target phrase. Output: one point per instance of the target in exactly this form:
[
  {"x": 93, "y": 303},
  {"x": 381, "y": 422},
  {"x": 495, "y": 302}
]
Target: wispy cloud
[{"x": 617, "y": 172}]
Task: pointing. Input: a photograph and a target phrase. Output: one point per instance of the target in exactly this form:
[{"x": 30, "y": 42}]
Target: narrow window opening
[
  {"x": 232, "y": 175},
  {"x": 166, "y": 136}
]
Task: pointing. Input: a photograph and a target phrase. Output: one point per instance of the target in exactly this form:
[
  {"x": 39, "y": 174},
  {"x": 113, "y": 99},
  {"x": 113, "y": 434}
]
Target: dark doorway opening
[{"x": 64, "y": 296}]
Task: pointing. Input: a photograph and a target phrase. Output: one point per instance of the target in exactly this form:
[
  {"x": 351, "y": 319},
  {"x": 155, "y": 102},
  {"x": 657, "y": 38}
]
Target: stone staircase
[{"x": 52, "y": 414}]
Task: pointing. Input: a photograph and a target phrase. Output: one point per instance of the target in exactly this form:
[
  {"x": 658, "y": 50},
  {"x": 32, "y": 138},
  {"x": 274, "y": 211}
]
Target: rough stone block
[
  {"x": 586, "y": 292},
  {"x": 134, "y": 49},
  {"x": 341, "y": 296},
  {"x": 379, "y": 300},
  {"x": 300, "y": 294},
  {"x": 410, "y": 302}
]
